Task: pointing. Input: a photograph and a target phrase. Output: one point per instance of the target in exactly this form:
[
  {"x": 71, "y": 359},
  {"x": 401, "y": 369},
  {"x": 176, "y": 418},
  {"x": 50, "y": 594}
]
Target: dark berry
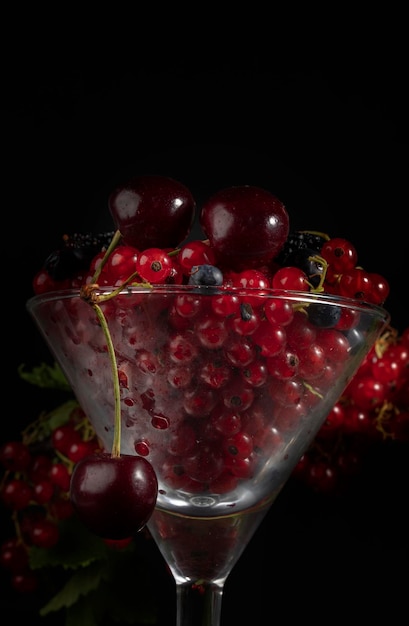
[
  {"x": 324, "y": 316},
  {"x": 152, "y": 211},
  {"x": 205, "y": 275},
  {"x": 300, "y": 240},
  {"x": 309, "y": 261},
  {"x": 114, "y": 496},
  {"x": 247, "y": 226},
  {"x": 75, "y": 254}
]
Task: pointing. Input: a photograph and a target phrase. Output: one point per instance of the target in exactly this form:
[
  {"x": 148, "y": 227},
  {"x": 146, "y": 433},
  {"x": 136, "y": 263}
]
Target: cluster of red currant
[
  {"x": 35, "y": 486},
  {"x": 37, "y": 469},
  {"x": 334, "y": 265},
  {"x": 373, "y": 409},
  {"x": 247, "y": 244}
]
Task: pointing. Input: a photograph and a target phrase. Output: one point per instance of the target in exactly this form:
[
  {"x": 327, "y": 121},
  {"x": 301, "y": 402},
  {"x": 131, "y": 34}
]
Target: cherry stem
[
  {"x": 88, "y": 293},
  {"x": 114, "y": 242},
  {"x": 104, "y": 297},
  {"x": 116, "y": 444}
]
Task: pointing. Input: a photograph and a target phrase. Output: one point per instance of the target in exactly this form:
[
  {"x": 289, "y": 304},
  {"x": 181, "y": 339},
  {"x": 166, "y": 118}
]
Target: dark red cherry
[
  {"x": 152, "y": 211},
  {"x": 246, "y": 225},
  {"x": 113, "y": 496}
]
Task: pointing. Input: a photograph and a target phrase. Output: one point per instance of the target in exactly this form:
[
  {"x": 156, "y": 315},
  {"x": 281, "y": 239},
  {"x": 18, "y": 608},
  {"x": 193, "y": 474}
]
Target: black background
[{"x": 320, "y": 123}]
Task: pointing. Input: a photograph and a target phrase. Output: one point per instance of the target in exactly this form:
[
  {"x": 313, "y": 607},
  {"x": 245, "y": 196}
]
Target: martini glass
[{"x": 221, "y": 390}]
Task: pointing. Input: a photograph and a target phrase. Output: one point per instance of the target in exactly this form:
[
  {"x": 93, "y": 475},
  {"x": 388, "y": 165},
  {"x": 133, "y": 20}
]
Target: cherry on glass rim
[
  {"x": 152, "y": 211},
  {"x": 246, "y": 225}
]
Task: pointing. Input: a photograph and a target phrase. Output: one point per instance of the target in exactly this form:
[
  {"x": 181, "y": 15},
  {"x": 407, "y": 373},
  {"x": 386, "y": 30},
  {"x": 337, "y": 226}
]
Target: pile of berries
[
  {"x": 248, "y": 244},
  {"x": 373, "y": 410},
  {"x": 35, "y": 483}
]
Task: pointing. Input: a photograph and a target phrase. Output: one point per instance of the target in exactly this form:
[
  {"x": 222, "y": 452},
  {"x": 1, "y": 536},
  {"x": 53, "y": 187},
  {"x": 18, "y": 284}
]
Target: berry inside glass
[{"x": 223, "y": 405}]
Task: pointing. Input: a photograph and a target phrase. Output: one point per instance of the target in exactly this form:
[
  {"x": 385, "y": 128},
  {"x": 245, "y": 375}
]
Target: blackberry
[
  {"x": 300, "y": 240},
  {"x": 310, "y": 262},
  {"x": 75, "y": 254}
]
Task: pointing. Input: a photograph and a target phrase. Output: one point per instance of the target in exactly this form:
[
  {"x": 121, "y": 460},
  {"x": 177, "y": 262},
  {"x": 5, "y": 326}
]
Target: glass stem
[{"x": 198, "y": 605}]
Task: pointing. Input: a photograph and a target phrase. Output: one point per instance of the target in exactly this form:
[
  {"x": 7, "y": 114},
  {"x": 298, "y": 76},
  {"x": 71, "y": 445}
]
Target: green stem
[
  {"x": 88, "y": 294},
  {"x": 114, "y": 242},
  {"x": 105, "y": 297},
  {"x": 116, "y": 444}
]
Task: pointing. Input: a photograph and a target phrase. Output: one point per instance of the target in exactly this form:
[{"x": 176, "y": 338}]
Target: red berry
[
  {"x": 25, "y": 582},
  {"x": 120, "y": 265},
  {"x": 63, "y": 437},
  {"x": 290, "y": 278},
  {"x": 333, "y": 422},
  {"x": 195, "y": 253},
  {"x": 79, "y": 449},
  {"x": 14, "y": 556},
  {"x": 44, "y": 533},
  {"x": 247, "y": 226},
  {"x": 17, "y": 494},
  {"x": 269, "y": 338},
  {"x": 323, "y": 476},
  {"x": 60, "y": 476},
  {"x": 43, "y": 491},
  {"x": 114, "y": 496},
  {"x": 151, "y": 211},
  {"x": 340, "y": 255},
  {"x": 154, "y": 265},
  {"x": 380, "y": 288},
  {"x": 367, "y": 392},
  {"x": 357, "y": 284},
  {"x": 238, "y": 446},
  {"x": 15, "y": 456},
  {"x": 42, "y": 282}
]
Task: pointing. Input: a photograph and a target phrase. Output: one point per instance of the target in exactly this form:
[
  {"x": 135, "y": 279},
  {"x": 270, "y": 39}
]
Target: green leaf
[
  {"x": 61, "y": 415},
  {"x": 45, "y": 376},
  {"x": 42, "y": 428},
  {"x": 76, "y": 548},
  {"x": 115, "y": 590},
  {"x": 81, "y": 583}
]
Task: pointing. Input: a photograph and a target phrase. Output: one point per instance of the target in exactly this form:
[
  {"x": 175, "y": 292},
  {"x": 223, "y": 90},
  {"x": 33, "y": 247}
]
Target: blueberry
[
  {"x": 322, "y": 315},
  {"x": 205, "y": 275}
]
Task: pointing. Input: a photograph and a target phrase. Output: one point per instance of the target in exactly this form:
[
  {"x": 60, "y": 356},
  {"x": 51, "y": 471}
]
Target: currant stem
[
  {"x": 319, "y": 259},
  {"x": 116, "y": 444},
  {"x": 316, "y": 232},
  {"x": 64, "y": 459}
]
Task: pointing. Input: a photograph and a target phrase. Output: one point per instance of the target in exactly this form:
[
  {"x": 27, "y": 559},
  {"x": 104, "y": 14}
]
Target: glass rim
[{"x": 307, "y": 297}]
